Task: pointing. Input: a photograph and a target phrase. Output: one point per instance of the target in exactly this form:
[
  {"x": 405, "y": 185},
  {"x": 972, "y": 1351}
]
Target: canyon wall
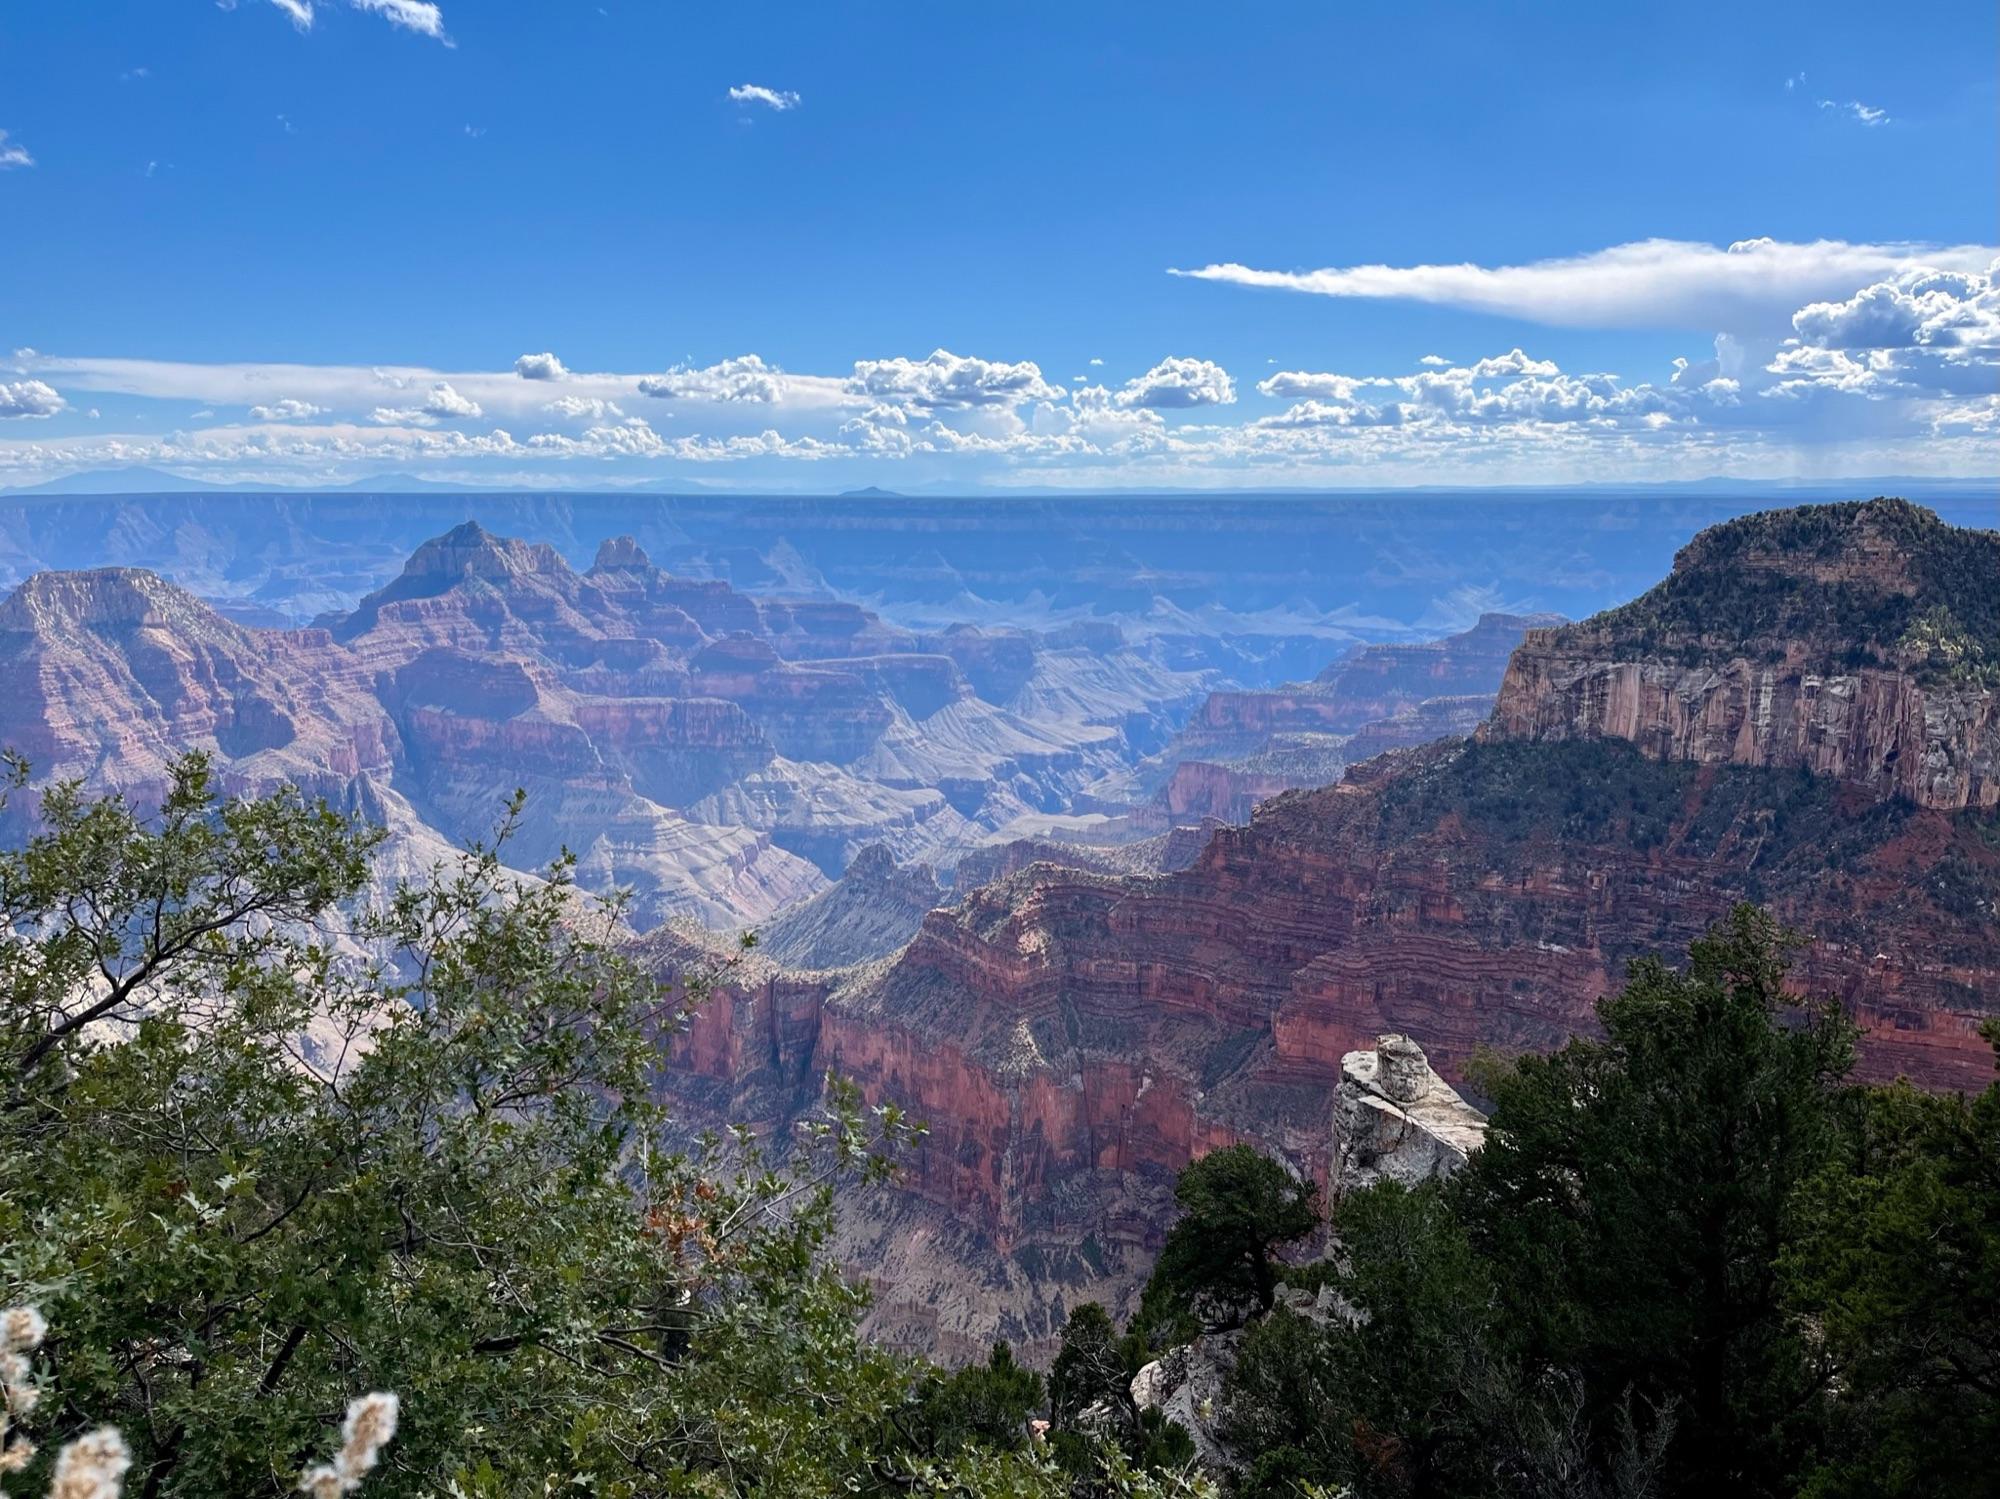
[{"x": 1074, "y": 1036}]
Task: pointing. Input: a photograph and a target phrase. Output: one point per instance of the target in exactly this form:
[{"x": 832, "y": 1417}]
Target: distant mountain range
[{"x": 143, "y": 480}]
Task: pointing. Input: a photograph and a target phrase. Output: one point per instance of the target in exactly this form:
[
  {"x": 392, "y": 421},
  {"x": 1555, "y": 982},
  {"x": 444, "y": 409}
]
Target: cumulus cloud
[
  {"x": 945, "y": 381},
  {"x": 287, "y": 410},
  {"x": 747, "y": 378},
  {"x": 1175, "y": 383},
  {"x": 1937, "y": 310},
  {"x": 443, "y": 404},
  {"x": 13, "y": 154},
  {"x": 1289, "y": 385},
  {"x": 770, "y": 98},
  {"x": 583, "y": 408},
  {"x": 1650, "y": 283},
  {"x": 540, "y": 367},
  {"x": 1923, "y": 333},
  {"x": 29, "y": 398}
]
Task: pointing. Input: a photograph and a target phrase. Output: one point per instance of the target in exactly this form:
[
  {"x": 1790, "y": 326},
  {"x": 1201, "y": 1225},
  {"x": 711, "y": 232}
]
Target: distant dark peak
[
  {"x": 734, "y": 652},
  {"x": 874, "y": 862},
  {"x": 620, "y": 553},
  {"x": 871, "y": 492}
]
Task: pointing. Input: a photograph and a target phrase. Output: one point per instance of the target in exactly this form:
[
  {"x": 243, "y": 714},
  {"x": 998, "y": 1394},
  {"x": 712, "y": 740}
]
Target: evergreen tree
[
  {"x": 1220, "y": 1262},
  {"x": 1632, "y": 1199}
]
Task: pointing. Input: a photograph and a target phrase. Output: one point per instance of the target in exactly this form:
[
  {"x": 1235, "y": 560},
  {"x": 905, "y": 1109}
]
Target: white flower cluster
[
  {"x": 371, "y": 1422},
  {"x": 91, "y": 1467},
  {"x": 94, "y": 1465}
]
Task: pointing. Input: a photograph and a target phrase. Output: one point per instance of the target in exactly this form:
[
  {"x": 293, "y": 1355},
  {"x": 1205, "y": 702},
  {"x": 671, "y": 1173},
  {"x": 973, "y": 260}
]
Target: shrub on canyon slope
[
  {"x": 1686, "y": 1261},
  {"x": 264, "y": 1142}
]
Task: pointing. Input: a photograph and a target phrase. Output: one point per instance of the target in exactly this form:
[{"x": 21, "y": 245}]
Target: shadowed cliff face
[{"x": 1073, "y": 1037}]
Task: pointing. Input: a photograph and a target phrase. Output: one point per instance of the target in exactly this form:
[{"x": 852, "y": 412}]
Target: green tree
[
  {"x": 984, "y": 1405},
  {"x": 1632, "y": 1199},
  {"x": 1219, "y": 1261},
  {"x": 1895, "y": 1258},
  {"x": 262, "y": 1148}
]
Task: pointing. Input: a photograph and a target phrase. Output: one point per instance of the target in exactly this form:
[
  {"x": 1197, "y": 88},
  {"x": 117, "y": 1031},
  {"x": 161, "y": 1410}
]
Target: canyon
[
  {"x": 721, "y": 756},
  {"x": 1073, "y": 1036},
  {"x": 1096, "y": 866}
]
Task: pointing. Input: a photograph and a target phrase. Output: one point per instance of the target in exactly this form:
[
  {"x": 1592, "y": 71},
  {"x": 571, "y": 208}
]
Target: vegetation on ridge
[{"x": 1814, "y": 576}]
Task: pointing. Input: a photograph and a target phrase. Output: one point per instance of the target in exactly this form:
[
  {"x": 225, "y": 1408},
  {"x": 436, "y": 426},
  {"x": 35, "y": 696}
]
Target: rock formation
[
  {"x": 1073, "y": 1037},
  {"x": 1243, "y": 746},
  {"x": 870, "y": 912},
  {"x": 719, "y": 754},
  {"x": 1397, "y": 1120},
  {"x": 1860, "y": 642}
]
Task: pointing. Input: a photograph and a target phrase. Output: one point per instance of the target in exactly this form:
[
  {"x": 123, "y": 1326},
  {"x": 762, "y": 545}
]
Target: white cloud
[
  {"x": 772, "y": 98},
  {"x": 947, "y": 382},
  {"x": 1097, "y": 361},
  {"x": 1435, "y": 361},
  {"x": 1937, "y": 310},
  {"x": 420, "y": 16},
  {"x": 412, "y": 15},
  {"x": 446, "y": 402},
  {"x": 1925, "y": 332},
  {"x": 746, "y": 378},
  {"x": 1176, "y": 383},
  {"x": 1650, "y": 283},
  {"x": 287, "y": 410},
  {"x": 1866, "y": 114},
  {"x": 443, "y": 404},
  {"x": 540, "y": 367},
  {"x": 29, "y": 398},
  {"x": 1288, "y": 385},
  {"x": 13, "y": 154},
  {"x": 583, "y": 408}
]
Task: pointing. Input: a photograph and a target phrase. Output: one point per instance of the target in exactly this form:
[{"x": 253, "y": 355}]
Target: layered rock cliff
[
  {"x": 1856, "y": 641},
  {"x": 1073, "y": 1037},
  {"x": 721, "y": 755},
  {"x": 1242, "y": 746}
]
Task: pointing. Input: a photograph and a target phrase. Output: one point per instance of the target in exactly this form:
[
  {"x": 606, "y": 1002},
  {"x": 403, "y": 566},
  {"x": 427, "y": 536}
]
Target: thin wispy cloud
[
  {"x": 771, "y": 98},
  {"x": 420, "y": 16},
  {"x": 1867, "y": 114},
  {"x": 1650, "y": 283},
  {"x": 13, "y": 154}
]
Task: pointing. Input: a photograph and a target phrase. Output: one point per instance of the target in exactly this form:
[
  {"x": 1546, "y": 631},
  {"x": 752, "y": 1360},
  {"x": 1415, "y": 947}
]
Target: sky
[{"x": 814, "y": 247}]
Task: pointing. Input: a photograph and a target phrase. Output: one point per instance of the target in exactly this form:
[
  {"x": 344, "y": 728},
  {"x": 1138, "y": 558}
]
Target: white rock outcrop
[{"x": 1397, "y": 1120}]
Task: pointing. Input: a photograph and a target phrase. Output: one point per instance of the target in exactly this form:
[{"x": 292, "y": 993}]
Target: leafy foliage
[
  {"x": 265, "y": 1143},
  {"x": 1896, "y": 1260}
]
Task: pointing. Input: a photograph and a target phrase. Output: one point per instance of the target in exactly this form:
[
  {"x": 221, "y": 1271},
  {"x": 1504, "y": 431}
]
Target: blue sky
[{"x": 302, "y": 241}]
